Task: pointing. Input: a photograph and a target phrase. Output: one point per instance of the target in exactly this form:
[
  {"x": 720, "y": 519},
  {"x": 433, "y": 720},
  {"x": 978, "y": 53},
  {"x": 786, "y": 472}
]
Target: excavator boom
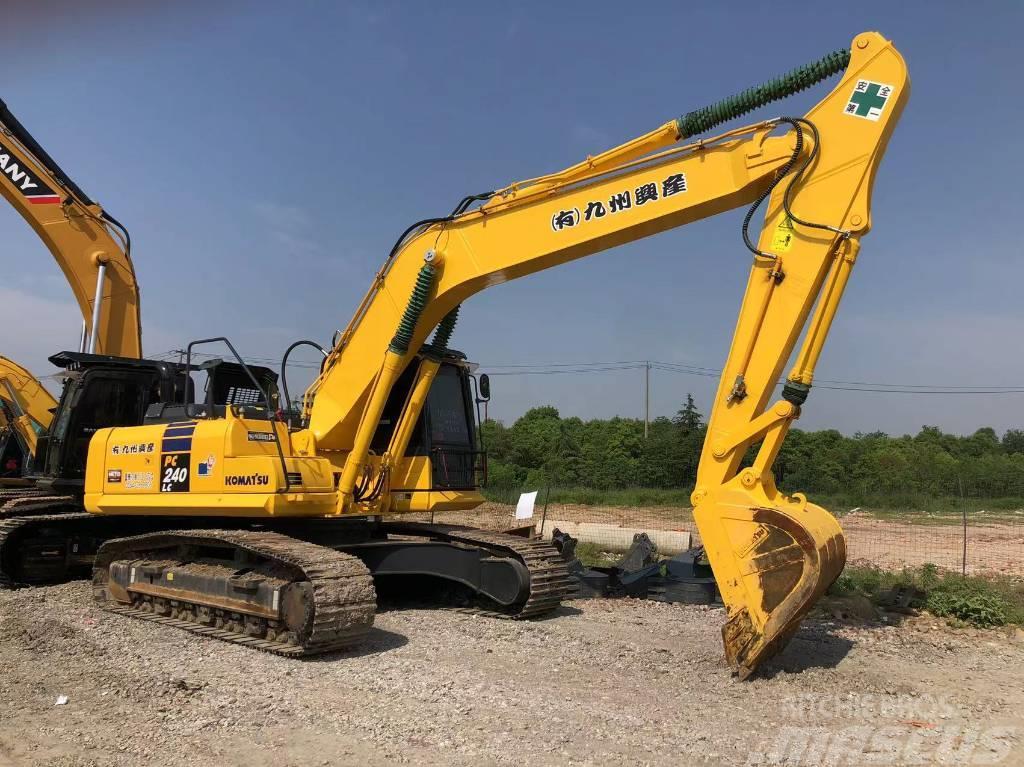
[
  {"x": 89, "y": 245},
  {"x": 28, "y": 406}
]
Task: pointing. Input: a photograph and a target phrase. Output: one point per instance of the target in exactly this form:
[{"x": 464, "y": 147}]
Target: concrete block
[{"x": 615, "y": 537}]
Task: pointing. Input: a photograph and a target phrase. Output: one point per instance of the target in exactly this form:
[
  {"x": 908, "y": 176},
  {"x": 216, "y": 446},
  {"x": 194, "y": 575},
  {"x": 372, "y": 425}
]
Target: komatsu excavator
[
  {"x": 26, "y": 410},
  {"x": 275, "y": 526}
]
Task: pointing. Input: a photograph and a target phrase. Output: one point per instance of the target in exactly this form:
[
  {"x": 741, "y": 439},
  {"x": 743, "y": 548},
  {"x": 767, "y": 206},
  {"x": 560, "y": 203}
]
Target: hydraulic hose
[
  {"x": 439, "y": 344},
  {"x": 417, "y": 303},
  {"x": 799, "y": 79}
]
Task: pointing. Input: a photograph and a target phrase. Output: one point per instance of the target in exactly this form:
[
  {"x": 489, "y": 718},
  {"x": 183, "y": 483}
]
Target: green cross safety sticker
[{"x": 868, "y": 99}]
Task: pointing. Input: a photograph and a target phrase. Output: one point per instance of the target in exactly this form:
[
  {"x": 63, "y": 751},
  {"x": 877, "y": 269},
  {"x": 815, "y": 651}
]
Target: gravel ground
[{"x": 601, "y": 682}]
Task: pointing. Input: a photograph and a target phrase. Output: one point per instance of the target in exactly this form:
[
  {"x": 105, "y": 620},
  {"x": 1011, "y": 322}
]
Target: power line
[
  {"x": 706, "y": 372},
  {"x": 681, "y": 368}
]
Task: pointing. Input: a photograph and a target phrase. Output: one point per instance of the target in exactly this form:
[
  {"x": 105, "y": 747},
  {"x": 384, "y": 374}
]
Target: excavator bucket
[{"x": 773, "y": 558}]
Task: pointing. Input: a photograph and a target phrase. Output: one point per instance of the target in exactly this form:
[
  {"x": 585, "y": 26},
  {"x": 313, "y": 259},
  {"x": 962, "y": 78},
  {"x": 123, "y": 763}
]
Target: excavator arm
[
  {"x": 772, "y": 554},
  {"x": 27, "y": 406},
  {"x": 90, "y": 246}
]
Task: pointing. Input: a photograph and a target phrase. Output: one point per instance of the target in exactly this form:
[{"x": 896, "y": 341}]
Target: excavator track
[
  {"x": 336, "y": 610},
  {"x": 33, "y": 502},
  {"x": 549, "y": 578},
  {"x": 7, "y": 493},
  {"x": 11, "y": 526}
]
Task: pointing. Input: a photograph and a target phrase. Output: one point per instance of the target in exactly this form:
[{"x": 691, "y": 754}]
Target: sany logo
[{"x": 32, "y": 188}]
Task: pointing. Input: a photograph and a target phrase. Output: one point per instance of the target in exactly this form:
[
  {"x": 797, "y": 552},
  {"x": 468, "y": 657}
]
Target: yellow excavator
[
  {"x": 26, "y": 410},
  {"x": 91, "y": 248},
  {"x": 270, "y": 527}
]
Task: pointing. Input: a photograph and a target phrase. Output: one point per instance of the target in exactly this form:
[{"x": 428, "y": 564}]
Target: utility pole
[{"x": 647, "y": 397}]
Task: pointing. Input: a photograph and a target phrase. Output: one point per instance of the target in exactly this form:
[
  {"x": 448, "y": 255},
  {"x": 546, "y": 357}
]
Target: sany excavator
[
  {"x": 106, "y": 382},
  {"x": 269, "y": 530},
  {"x": 26, "y": 409},
  {"x": 92, "y": 249}
]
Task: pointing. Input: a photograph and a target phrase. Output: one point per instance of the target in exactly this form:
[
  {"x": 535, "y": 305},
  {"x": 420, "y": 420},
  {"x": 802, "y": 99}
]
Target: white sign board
[{"x": 524, "y": 509}]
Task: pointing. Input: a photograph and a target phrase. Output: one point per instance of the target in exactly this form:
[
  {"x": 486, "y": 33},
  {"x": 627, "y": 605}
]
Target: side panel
[{"x": 223, "y": 467}]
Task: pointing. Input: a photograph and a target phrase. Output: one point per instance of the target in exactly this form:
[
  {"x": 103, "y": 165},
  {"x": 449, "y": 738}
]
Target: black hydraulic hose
[
  {"x": 798, "y": 176},
  {"x": 464, "y": 203},
  {"x": 284, "y": 368},
  {"x": 783, "y": 172},
  {"x": 123, "y": 230},
  {"x": 469, "y": 200}
]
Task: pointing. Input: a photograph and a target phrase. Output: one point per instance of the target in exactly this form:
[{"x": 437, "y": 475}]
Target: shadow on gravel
[
  {"x": 563, "y": 611},
  {"x": 815, "y": 645},
  {"x": 392, "y": 605},
  {"x": 376, "y": 642}
]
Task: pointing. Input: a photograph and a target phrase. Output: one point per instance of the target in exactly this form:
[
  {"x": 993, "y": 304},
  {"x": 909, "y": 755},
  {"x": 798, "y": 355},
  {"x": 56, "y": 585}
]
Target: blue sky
[{"x": 266, "y": 155}]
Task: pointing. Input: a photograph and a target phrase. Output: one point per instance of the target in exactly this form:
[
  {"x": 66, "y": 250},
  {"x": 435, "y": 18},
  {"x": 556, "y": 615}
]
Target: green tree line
[{"x": 542, "y": 448}]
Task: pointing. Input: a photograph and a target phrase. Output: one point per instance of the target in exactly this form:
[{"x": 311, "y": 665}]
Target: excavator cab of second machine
[{"x": 102, "y": 390}]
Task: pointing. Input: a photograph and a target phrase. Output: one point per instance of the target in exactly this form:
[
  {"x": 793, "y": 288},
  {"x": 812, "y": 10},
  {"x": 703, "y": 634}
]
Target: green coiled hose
[
  {"x": 417, "y": 303},
  {"x": 801, "y": 78},
  {"x": 444, "y": 330}
]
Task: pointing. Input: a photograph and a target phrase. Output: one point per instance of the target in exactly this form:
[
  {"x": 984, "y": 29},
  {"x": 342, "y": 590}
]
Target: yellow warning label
[{"x": 782, "y": 240}]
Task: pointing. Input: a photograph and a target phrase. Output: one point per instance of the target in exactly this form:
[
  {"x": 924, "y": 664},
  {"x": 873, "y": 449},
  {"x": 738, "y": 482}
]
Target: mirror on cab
[{"x": 485, "y": 387}]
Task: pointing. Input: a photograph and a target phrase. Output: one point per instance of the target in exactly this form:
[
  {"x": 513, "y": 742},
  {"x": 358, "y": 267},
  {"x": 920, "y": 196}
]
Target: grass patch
[
  {"x": 981, "y": 601},
  {"x": 593, "y": 555}
]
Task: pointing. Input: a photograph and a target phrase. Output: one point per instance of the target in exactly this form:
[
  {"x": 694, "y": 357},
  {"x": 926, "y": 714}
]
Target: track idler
[{"x": 773, "y": 557}]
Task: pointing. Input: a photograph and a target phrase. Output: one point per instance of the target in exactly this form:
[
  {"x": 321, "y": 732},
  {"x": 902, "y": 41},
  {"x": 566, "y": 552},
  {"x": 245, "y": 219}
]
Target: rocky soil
[{"x": 601, "y": 682}]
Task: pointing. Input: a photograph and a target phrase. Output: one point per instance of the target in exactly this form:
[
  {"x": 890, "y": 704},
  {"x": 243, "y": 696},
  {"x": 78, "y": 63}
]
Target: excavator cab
[
  {"x": 101, "y": 391},
  {"x": 447, "y": 430}
]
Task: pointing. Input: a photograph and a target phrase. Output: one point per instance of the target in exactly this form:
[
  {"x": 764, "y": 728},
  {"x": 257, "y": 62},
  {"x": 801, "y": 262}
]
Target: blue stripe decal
[
  {"x": 183, "y": 423},
  {"x": 180, "y": 431},
  {"x": 180, "y": 445}
]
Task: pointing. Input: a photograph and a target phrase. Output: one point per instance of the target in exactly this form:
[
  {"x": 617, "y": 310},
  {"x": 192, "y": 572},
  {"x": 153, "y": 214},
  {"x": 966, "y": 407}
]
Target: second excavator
[
  {"x": 26, "y": 409},
  {"x": 269, "y": 528}
]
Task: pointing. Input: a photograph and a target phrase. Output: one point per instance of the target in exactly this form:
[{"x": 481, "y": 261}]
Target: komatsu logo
[
  {"x": 32, "y": 188},
  {"x": 247, "y": 480}
]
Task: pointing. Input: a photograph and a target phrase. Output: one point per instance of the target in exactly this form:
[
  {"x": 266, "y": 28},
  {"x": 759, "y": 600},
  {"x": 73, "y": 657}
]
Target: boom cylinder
[
  {"x": 389, "y": 372},
  {"x": 368, "y": 425},
  {"x": 413, "y": 407},
  {"x": 97, "y": 307}
]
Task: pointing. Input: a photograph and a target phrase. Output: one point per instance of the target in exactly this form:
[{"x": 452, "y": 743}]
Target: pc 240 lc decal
[{"x": 174, "y": 473}]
